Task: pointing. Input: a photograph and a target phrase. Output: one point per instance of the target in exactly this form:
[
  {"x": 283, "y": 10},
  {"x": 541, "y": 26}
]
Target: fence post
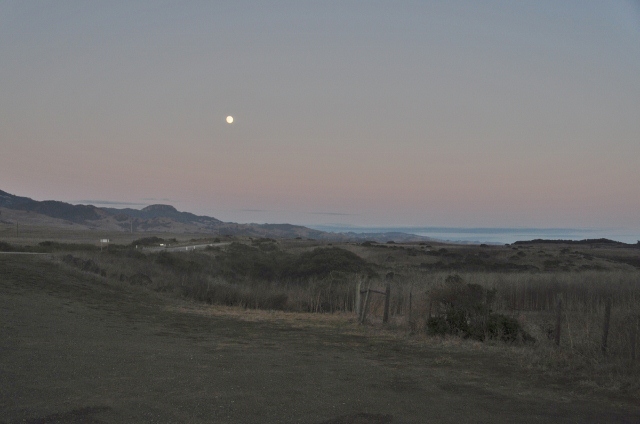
[
  {"x": 605, "y": 332},
  {"x": 365, "y": 306},
  {"x": 410, "y": 299},
  {"x": 634, "y": 333},
  {"x": 558, "y": 322},
  {"x": 358, "y": 305},
  {"x": 387, "y": 298}
]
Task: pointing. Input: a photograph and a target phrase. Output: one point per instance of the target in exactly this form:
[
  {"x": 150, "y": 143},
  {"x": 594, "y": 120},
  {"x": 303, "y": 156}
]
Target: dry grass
[{"x": 530, "y": 297}]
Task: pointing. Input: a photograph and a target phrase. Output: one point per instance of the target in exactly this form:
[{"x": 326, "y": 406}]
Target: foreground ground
[{"x": 74, "y": 348}]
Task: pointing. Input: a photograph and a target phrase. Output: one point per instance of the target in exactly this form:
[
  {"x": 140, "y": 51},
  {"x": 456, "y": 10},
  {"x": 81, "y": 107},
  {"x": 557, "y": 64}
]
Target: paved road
[
  {"x": 182, "y": 248},
  {"x": 23, "y": 253},
  {"x": 146, "y": 249}
]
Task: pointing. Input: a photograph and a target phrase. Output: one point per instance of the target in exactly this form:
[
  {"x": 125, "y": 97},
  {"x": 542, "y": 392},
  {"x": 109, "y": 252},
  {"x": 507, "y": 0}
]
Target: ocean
[{"x": 496, "y": 235}]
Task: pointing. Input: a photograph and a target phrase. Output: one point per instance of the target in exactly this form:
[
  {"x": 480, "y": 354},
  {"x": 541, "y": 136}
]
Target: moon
[{"x": 229, "y": 119}]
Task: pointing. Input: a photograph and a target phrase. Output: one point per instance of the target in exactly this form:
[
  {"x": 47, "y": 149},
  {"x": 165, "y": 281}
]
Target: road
[{"x": 184, "y": 248}]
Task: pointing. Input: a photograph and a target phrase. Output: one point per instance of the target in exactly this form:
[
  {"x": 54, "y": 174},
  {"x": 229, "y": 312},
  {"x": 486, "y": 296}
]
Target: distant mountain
[
  {"x": 52, "y": 208},
  {"x": 161, "y": 211},
  {"x": 166, "y": 218},
  {"x": 588, "y": 242}
]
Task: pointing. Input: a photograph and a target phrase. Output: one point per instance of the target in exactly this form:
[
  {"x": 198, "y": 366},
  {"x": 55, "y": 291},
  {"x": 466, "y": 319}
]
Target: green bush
[
  {"x": 240, "y": 262},
  {"x": 6, "y": 247},
  {"x": 84, "y": 265},
  {"x": 321, "y": 262},
  {"x": 51, "y": 246},
  {"x": 505, "y": 328},
  {"x": 140, "y": 279},
  {"x": 179, "y": 262},
  {"x": 465, "y": 310},
  {"x": 437, "y": 326}
]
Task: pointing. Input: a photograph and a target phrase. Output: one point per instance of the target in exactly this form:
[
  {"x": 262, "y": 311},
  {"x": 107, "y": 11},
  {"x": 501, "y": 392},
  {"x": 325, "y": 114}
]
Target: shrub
[
  {"x": 239, "y": 261},
  {"x": 437, "y": 326},
  {"x": 322, "y": 261},
  {"x": 465, "y": 310},
  {"x": 6, "y": 247},
  {"x": 140, "y": 279},
  {"x": 50, "y": 246},
  {"x": 506, "y": 328},
  {"x": 177, "y": 262},
  {"x": 85, "y": 265}
]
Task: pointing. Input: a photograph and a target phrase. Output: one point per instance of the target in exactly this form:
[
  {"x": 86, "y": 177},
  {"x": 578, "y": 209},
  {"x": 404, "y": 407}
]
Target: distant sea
[{"x": 495, "y": 235}]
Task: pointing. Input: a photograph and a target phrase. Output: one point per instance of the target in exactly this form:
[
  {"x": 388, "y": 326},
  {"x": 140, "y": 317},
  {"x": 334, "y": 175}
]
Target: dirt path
[{"x": 74, "y": 349}]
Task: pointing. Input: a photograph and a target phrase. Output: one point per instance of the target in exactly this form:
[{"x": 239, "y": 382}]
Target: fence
[
  {"x": 362, "y": 307},
  {"x": 605, "y": 324}
]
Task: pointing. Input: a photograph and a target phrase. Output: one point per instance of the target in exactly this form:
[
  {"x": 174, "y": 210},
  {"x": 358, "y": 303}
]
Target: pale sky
[{"x": 423, "y": 113}]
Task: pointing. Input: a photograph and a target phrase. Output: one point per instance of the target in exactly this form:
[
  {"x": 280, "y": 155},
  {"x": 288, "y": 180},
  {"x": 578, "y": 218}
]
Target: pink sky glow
[{"x": 421, "y": 114}]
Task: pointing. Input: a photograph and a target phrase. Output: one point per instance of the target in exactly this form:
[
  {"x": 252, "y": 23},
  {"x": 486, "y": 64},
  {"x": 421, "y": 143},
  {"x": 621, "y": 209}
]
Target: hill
[{"x": 161, "y": 218}]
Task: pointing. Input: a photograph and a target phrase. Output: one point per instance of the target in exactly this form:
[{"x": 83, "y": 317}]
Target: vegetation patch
[
  {"x": 140, "y": 279},
  {"x": 6, "y": 247},
  {"x": 85, "y": 265},
  {"x": 321, "y": 262},
  {"x": 465, "y": 310}
]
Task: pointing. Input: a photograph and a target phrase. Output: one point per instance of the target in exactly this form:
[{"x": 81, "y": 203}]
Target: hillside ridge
[{"x": 166, "y": 218}]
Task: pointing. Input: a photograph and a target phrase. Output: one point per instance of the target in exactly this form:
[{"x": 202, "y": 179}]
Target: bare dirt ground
[{"x": 76, "y": 349}]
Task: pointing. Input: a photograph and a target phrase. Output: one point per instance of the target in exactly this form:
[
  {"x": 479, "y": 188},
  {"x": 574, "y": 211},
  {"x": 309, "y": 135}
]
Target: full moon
[{"x": 229, "y": 119}]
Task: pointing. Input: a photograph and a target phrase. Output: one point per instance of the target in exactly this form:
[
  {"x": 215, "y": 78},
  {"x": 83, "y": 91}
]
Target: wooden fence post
[
  {"x": 365, "y": 306},
  {"x": 558, "y": 322},
  {"x": 634, "y": 334},
  {"x": 387, "y": 298},
  {"x": 358, "y": 305},
  {"x": 410, "y": 299},
  {"x": 605, "y": 332}
]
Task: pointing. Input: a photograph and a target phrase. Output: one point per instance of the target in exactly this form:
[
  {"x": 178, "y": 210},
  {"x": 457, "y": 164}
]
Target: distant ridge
[
  {"x": 52, "y": 208},
  {"x": 161, "y": 211},
  {"x": 600, "y": 241},
  {"x": 166, "y": 218}
]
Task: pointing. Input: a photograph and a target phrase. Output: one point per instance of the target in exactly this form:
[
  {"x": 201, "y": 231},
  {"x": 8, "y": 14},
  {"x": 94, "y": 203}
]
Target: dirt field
[{"x": 76, "y": 349}]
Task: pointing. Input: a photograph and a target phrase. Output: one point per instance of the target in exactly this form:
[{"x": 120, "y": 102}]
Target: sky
[{"x": 369, "y": 113}]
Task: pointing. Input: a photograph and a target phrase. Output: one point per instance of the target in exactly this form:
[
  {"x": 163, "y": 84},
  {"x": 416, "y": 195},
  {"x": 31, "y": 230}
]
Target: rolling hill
[{"x": 160, "y": 218}]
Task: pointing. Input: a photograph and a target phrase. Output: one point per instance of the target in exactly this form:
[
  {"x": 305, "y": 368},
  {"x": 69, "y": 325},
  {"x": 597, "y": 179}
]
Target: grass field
[{"x": 85, "y": 340}]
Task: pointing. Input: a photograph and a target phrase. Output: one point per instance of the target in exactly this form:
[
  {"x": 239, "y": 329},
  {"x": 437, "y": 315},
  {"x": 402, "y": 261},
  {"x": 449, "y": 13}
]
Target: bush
[
  {"x": 239, "y": 261},
  {"x": 140, "y": 279},
  {"x": 437, "y": 326},
  {"x": 85, "y": 265},
  {"x": 6, "y": 247},
  {"x": 268, "y": 263},
  {"x": 320, "y": 262},
  {"x": 465, "y": 310},
  {"x": 50, "y": 246},
  {"x": 177, "y": 262},
  {"x": 505, "y": 328}
]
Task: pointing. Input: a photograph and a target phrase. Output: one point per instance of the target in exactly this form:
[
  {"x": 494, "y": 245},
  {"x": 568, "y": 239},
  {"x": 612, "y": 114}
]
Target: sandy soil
[{"x": 75, "y": 348}]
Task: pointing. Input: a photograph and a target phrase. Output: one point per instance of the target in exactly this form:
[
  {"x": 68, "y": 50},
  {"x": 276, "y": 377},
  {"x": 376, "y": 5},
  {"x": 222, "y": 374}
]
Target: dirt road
[{"x": 75, "y": 348}]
